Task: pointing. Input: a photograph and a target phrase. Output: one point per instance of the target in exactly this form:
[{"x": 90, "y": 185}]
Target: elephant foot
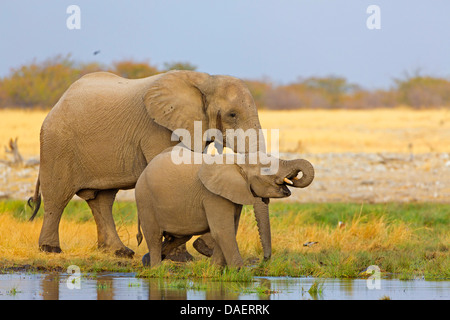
[
  {"x": 124, "y": 253},
  {"x": 146, "y": 260},
  {"x": 201, "y": 246},
  {"x": 180, "y": 257},
  {"x": 48, "y": 248}
]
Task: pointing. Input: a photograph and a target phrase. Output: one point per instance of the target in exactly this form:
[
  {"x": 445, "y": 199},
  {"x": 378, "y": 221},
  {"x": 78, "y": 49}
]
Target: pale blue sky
[{"x": 281, "y": 40}]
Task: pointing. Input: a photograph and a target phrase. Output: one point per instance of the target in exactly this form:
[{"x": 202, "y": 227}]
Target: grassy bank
[{"x": 403, "y": 240}]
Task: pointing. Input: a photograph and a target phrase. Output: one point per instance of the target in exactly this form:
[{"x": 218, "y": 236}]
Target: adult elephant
[{"x": 105, "y": 129}]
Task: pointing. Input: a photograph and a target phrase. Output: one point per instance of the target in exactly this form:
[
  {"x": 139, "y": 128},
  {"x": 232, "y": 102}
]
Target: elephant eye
[{"x": 232, "y": 114}]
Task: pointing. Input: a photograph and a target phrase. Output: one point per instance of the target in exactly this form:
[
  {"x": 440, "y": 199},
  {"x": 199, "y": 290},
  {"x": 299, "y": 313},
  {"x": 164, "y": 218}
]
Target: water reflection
[
  {"x": 114, "y": 286},
  {"x": 50, "y": 287}
]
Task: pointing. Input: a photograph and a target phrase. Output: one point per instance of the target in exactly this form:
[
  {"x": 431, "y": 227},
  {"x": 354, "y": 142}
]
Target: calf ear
[{"x": 228, "y": 181}]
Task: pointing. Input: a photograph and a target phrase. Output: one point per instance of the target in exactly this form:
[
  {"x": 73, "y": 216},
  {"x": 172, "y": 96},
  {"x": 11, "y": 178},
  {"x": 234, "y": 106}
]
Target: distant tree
[
  {"x": 423, "y": 91},
  {"x": 133, "y": 70},
  {"x": 86, "y": 68},
  {"x": 281, "y": 98},
  {"x": 40, "y": 84},
  {"x": 313, "y": 92},
  {"x": 259, "y": 90},
  {"x": 334, "y": 88},
  {"x": 3, "y": 95},
  {"x": 179, "y": 66},
  {"x": 370, "y": 99}
]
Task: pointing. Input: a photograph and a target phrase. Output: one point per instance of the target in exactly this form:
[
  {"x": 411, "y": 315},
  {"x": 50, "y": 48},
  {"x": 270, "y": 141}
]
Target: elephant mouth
[
  {"x": 281, "y": 190},
  {"x": 285, "y": 190},
  {"x": 291, "y": 177}
]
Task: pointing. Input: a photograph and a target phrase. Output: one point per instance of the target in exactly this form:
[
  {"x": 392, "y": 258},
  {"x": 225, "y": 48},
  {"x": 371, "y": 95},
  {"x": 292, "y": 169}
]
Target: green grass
[
  {"x": 13, "y": 291},
  {"x": 418, "y": 215},
  {"x": 405, "y": 241},
  {"x": 187, "y": 285},
  {"x": 316, "y": 288},
  {"x": 103, "y": 286},
  {"x": 77, "y": 211},
  {"x": 200, "y": 269}
]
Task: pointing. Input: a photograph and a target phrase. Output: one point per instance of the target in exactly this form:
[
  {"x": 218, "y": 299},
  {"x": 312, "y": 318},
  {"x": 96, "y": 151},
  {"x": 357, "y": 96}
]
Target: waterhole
[{"x": 126, "y": 286}]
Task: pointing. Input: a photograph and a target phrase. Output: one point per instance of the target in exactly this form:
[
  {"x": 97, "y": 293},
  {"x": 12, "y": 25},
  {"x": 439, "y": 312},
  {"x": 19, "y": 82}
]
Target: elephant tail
[
  {"x": 35, "y": 201},
  {"x": 139, "y": 236}
]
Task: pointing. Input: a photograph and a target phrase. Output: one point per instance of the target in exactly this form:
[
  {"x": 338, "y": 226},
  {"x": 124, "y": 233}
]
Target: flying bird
[{"x": 96, "y": 52}]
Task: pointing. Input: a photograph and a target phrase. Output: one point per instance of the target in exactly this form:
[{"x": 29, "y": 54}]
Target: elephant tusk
[
  {"x": 212, "y": 150},
  {"x": 227, "y": 150},
  {"x": 288, "y": 181}
]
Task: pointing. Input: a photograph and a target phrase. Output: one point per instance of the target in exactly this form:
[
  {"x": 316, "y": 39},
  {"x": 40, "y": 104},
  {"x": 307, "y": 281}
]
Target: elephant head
[
  {"x": 245, "y": 184},
  {"x": 178, "y": 98}
]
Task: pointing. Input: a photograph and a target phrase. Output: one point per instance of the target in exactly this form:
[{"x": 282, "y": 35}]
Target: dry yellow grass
[
  {"x": 19, "y": 239},
  {"x": 19, "y": 243},
  {"x": 381, "y": 130},
  {"x": 24, "y": 124},
  {"x": 291, "y": 232},
  {"x": 312, "y": 131}
]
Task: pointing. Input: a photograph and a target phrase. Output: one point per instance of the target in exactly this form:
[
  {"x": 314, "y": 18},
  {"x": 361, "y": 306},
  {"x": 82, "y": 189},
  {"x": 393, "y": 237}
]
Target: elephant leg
[
  {"x": 217, "y": 257},
  {"x": 108, "y": 238},
  {"x": 217, "y": 253},
  {"x": 152, "y": 233},
  {"x": 172, "y": 249},
  {"x": 205, "y": 244},
  {"x": 179, "y": 254},
  {"x": 237, "y": 217},
  {"x": 154, "y": 244},
  {"x": 222, "y": 221},
  {"x": 168, "y": 247},
  {"x": 226, "y": 249},
  {"x": 49, "y": 236}
]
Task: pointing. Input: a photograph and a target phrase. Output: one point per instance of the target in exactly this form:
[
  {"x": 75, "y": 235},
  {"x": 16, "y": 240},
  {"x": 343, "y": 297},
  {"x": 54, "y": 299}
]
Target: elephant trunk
[
  {"x": 261, "y": 209},
  {"x": 261, "y": 206},
  {"x": 249, "y": 139},
  {"x": 308, "y": 173}
]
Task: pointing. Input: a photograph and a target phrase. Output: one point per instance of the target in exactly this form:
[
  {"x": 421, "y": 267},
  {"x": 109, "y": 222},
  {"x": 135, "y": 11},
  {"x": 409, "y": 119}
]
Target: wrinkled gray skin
[
  {"x": 105, "y": 129},
  {"x": 181, "y": 200}
]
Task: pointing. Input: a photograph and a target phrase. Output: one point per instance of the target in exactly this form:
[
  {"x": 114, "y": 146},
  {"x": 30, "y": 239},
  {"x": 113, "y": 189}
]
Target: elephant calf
[{"x": 178, "y": 201}]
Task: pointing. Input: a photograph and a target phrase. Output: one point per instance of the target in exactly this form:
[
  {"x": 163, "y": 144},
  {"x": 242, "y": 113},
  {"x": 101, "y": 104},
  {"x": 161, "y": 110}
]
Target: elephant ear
[
  {"x": 228, "y": 181},
  {"x": 178, "y": 98}
]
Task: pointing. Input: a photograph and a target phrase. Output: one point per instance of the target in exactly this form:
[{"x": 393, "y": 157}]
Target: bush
[
  {"x": 133, "y": 70},
  {"x": 424, "y": 91},
  {"x": 39, "y": 84}
]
